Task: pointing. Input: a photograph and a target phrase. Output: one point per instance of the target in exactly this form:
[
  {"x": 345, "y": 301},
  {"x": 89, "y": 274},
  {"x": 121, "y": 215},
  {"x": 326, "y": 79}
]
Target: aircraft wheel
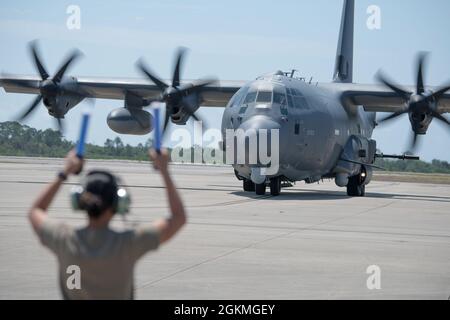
[
  {"x": 354, "y": 188},
  {"x": 260, "y": 189},
  {"x": 363, "y": 191},
  {"x": 275, "y": 186},
  {"x": 248, "y": 185}
]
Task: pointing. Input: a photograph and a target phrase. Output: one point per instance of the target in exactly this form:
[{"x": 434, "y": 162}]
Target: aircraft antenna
[{"x": 293, "y": 72}]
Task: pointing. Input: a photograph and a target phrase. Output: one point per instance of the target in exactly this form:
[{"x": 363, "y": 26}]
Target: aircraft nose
[
  {"x": 257, "y": 138},
  {"x": 259, "y": 123}
]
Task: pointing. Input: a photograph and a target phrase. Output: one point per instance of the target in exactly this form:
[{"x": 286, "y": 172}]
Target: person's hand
[
  {"x": 160, "y": 160},
  {"x": 73, "y": 164}
]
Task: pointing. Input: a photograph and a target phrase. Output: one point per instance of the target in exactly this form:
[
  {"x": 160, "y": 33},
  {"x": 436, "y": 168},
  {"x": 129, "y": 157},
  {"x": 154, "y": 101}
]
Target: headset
[{"x": 121, "y": 200}]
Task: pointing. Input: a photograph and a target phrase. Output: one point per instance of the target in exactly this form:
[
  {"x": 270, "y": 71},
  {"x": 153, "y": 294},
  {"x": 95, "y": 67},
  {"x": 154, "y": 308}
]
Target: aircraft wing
[
  {"x": 216, "y": 95},
  {"x": 378, "y": 98}
]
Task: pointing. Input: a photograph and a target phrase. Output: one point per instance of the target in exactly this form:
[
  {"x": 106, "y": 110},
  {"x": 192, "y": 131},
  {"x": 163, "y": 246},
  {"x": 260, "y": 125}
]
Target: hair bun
[{"x": 91, "y": 202}]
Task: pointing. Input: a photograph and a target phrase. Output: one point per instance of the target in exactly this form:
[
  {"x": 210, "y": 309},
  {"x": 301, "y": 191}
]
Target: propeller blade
[
  {"x": 166, "y": 121},
  {"x": 414, "y": 142},
  {"x": 193, "y": 115},
  {"x": 438, "y": 94},
  {"x": 195, "y": 87},
  {"x": 440, "y": 117},
  {"x": 60, "y": 124},
  {"x": 203, "y": 83},
  {"x": 420, "y": 66},
  {"x": 202, "y": 121},
  {"x": 62, "y": 70},
  {"x": 394, "y": 115},
  {"x": 37, "y": 60},
  {"x": 401, "y": 92},
  {"x": 167, "y": 116},
  {"x": 189, "y": 107},
  {"x": 178, "y": 64},
  {"x": 30, "y": 108},
  {"x": 159, "y": 83}
]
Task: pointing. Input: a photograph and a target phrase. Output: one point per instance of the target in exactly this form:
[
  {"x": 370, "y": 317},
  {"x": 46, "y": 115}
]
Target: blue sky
[{"x": 233, "y": 40}]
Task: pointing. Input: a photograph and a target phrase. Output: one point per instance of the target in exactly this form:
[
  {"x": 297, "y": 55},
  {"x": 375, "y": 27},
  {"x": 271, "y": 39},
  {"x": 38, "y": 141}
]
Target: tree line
[{"x": 21, "y": 140}]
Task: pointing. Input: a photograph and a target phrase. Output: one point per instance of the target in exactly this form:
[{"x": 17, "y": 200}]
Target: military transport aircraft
[{"x": 325, "y": 129}]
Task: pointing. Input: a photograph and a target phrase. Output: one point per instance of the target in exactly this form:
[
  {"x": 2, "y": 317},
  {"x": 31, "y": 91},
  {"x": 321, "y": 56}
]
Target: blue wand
[
  {"x": 83, "y": 133},
  {"x": 156, "y": 126}
]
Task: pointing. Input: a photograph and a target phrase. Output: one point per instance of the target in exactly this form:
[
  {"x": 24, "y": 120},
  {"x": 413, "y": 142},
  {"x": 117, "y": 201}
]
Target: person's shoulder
[
  {"x": 141, "y": 239},
  {"x": 144, "y": 228},
  {"x": 56, "y": 226},
  {"x": 53, "y": 233},
  {"x": 138, "y": 231}
]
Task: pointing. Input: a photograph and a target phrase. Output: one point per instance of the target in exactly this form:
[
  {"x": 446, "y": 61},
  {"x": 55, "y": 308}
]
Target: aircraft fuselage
[{"x": 313, "y": 125}]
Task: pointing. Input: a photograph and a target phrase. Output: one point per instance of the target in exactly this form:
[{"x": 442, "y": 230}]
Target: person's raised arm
[
  {"x": 38, "y": 211},
  {"x": 167, "y": 228}
]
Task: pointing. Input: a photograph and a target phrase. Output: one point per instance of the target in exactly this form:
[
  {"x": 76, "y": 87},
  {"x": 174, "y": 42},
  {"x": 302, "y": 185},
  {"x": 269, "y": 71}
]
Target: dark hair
[{"x": 100, "y": 193}]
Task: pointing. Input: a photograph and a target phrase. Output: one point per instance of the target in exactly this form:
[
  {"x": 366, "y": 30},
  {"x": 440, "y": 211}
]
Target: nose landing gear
[
  {"x": 260, "y": 188},
  {"x": 248, "y": 185}
]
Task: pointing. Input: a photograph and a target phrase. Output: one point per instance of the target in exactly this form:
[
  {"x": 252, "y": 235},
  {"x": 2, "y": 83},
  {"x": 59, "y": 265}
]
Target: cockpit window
[
  {"x": 296, "y": 99},
  {"x": 237, "y": 98},
  {"x": 300, "y": 102},
  {"x": 279, "y": 97},
  {"x": 290, "y": 102},
  {"x": 264, "y": 97},
  {"x": 251, "y": 97}
]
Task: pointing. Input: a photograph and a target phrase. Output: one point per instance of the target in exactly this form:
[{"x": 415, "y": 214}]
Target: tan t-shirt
[{"x": 104, "y": 258}]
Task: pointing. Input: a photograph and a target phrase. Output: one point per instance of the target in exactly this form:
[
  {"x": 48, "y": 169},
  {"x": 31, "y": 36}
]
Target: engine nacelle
[
  {"x": 60, "y": 97},
  {"x": 59, "y": 105},
  {"x": 179, "y": 115},
  {"x": 130, "y": 121},
  {"x": 420, "y": 121},
  {"x": 420, "y": 113}
]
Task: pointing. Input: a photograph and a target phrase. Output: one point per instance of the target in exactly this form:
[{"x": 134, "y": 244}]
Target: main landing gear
[
  {"x": 260, "y": 189},
  {"x": 356, "y": 186},
  {"x": 275, "y": 186}
]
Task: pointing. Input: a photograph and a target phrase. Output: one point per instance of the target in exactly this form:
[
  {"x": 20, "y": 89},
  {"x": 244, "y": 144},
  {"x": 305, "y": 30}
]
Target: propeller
[
  {"x": 421, "y": 105},
  {"x": 177, "y": 96},
  {"x": 49, "y": 87}
]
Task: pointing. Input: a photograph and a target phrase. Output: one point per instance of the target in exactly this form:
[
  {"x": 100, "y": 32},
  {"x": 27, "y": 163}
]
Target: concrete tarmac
[{"x": 312, "y": 242}]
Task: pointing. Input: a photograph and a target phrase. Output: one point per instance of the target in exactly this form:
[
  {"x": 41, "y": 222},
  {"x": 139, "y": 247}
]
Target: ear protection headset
[{"x": 121, "y": 199}]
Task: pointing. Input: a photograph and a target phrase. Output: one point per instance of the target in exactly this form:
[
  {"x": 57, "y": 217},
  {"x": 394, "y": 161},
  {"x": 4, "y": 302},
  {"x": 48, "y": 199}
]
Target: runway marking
[
  {"x": 125, "y": 185},
  {"x": 150, "y": 283}
]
